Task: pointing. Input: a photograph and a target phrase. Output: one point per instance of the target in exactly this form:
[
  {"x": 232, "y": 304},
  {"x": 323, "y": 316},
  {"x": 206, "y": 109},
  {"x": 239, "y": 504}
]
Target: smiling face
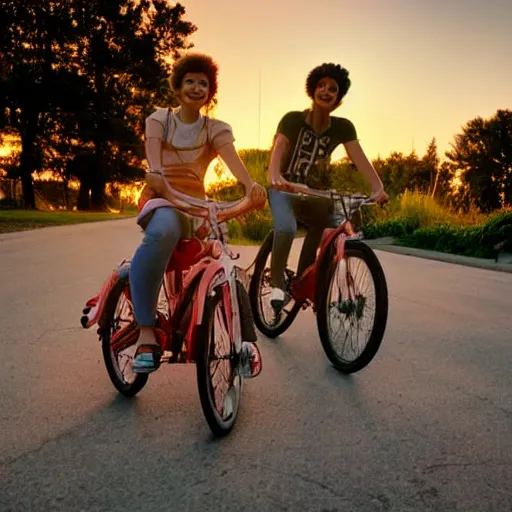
[
  {"x": 194, "y": 91},
  {"x": 326, "y": 94}
]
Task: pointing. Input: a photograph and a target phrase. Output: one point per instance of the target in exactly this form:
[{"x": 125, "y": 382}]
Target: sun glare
[{"x": 10, "y": 145}]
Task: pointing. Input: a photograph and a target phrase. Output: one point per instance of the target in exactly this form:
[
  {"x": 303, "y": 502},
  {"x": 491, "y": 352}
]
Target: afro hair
[
  {"x": 195, "y": 63},
  {"x": 334, "y": 71}
]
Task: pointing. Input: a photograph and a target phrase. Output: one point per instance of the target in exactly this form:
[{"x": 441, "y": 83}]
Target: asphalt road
[{"x": 426, "y": 426}]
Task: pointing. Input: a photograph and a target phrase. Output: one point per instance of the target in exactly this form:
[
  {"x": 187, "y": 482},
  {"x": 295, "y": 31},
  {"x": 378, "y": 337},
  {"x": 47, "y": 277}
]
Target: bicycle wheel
[
  {"x": 352, "y": 306},
  {"x": 118, "y": 338},
  {"x": 265, "y": 318},
  {"x": 218, "y": 382}
]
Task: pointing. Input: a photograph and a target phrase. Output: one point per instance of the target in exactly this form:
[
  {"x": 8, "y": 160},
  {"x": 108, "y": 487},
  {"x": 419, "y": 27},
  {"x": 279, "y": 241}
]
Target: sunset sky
[{"x": 419, "y": 68}]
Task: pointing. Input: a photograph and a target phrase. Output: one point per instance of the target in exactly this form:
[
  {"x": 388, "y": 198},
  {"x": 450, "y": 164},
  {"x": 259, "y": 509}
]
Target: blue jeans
[
  {"x": 150, "y": 260},
  {"x": 315, "y": 213}
]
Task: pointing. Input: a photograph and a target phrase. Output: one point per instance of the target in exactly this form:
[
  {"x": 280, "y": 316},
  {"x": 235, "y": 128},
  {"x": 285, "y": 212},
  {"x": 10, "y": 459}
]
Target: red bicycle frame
[
  {"x": 303, "y": 290},
  {"x": 194, "y": 270}
]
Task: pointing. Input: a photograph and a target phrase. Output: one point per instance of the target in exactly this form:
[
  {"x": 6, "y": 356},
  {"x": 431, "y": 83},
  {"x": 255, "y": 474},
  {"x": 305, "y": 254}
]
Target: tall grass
[
  {"x": 412, "y": 218},
  {"x": 413, "y": 210},
  {"x": 417, "y": 220}
]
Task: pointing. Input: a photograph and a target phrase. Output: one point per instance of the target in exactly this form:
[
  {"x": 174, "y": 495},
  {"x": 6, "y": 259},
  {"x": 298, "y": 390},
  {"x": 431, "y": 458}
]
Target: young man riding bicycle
[{"x": 303, "y": 145}]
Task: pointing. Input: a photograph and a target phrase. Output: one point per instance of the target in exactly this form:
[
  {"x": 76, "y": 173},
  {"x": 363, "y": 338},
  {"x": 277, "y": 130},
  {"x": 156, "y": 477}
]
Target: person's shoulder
[
  {"x": 291, "y": 122},
  {"x": 216, "y": 126},
  {"x": 160, "y": 115},
  {"x": 341, "y": 121},
  {"x": 344, "y": 127},
  {"x": 294, "y": 115},
  {"x": 219, "y": 133}
]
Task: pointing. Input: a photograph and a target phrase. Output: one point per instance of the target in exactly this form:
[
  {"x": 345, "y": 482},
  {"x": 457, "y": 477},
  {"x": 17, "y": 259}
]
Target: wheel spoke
[
  {"x": 219, "y": 365},
  {"x": 351, "y": 308},
  {"x": 121, "y": 359}
]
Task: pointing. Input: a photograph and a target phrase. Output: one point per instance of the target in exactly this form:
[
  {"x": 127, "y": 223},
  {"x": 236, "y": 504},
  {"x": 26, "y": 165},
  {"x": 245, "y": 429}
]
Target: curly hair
[
  {"x": 334, "y": 71},
  {"x": 195, "y": 63}
]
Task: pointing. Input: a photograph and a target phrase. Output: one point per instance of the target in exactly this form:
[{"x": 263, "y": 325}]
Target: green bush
[
  {"x": 417, "y": 220},
  {"x": 256, "y": 224},
  {"x": 393, "y": 227},
  {"x": 234, "y": 230},
  {"x": 253, "y": 226},
  {"x": 482, "y": 241},
  {"x": 464, "y": 240},
  {"x": 498, "y": 231}
]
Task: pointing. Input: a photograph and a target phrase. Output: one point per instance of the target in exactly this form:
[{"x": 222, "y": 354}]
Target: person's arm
[
  {"x": 364, "y": 166},
  {"x": 280, "y": 151},
  {"x": 154, "y": 176},
  {"x": 283, "y": 145}
]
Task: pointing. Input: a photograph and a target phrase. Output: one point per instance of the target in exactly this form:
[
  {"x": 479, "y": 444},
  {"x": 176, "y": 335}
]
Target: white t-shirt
[{"x": 186, "y": 134}]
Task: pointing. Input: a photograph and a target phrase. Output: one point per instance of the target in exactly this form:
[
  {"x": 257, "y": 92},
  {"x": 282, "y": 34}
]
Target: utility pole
[{"x": 259, "y": 108}]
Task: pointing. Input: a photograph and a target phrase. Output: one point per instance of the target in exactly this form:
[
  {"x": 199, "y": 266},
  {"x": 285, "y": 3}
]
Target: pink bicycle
[
  {"x": 345, "y": 286},
  {"x": 203, "y": 317}
]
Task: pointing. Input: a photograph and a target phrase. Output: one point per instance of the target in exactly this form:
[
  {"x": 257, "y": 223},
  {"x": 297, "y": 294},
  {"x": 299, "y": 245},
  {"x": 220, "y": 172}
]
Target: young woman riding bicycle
[
  {"x": 180, "y": 144},
  {"x": 300, "y": 157}
]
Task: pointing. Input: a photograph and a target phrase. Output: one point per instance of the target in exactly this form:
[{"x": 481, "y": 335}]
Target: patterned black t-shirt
[{"x": 310, "y": 155}]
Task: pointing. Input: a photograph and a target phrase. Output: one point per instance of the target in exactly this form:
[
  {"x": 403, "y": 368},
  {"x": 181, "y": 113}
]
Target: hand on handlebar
[
  {"x": 279, "y": 183},
  {"x": 257, "y": 196},
  {"x": 255, "y": 199},
  {"x": 380, "y": 197}
]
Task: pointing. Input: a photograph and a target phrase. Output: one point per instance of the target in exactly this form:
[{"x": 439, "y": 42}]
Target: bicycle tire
[
  {"x": 128, "y": 389},
  {"x": 219, "y": 426},
  {"x": 353, "y": 248},
  {"x": 254, "y": 294}
]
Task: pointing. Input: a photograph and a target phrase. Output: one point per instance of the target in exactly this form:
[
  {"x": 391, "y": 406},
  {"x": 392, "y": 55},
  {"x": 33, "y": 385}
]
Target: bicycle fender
[
  {"x": 95, "y": 306},
  {"x": 209, "y": 277},
  {"x": 208, "y": 280},
  {"x": 339, "y": 243}
]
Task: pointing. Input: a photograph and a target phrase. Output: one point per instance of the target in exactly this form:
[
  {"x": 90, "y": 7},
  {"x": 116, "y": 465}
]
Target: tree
[
  {"x": 125, "y": 49},
  {"x": 482, "y": 154},
  {"x": 347, "y": 179},
  {"x": 77, "y": 79},
  {"x": 444, "y": 190},
  {"x": 399, "y": 172},
  {"x": 35, "y": 44},
  {"x": 430, "y": 163}
]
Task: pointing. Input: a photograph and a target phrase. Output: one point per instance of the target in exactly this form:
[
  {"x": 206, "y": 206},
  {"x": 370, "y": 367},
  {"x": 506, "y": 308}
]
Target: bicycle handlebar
[
  {"x": 343, "y": 203},
  {"x": 216, "y": 212}
]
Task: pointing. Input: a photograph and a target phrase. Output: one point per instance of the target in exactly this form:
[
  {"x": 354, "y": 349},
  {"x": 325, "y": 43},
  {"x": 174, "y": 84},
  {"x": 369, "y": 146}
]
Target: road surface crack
[
  {"x": 304, "y": 479},
  {"x": 498, "y": 407},
  {"x": 35, "y": 449},
  {"x": 444, "y": 465}
]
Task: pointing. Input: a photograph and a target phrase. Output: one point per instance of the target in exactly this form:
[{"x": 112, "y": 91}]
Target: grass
[
  {"x": 242, "y": 241},
  {"x": 417, "y": 220},
  {"x": 413, "y": 219},
  {"x": 413, "y": 210},
  {"x": 23, "y": 220}
]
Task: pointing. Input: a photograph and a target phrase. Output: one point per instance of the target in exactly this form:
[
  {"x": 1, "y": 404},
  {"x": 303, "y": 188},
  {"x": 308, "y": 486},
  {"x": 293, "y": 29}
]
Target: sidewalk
[{"x": 504, "y": 263}]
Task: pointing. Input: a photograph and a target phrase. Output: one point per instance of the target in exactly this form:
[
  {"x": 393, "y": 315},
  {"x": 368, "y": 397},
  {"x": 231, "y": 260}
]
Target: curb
[{"x": 487, "y": 264}]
